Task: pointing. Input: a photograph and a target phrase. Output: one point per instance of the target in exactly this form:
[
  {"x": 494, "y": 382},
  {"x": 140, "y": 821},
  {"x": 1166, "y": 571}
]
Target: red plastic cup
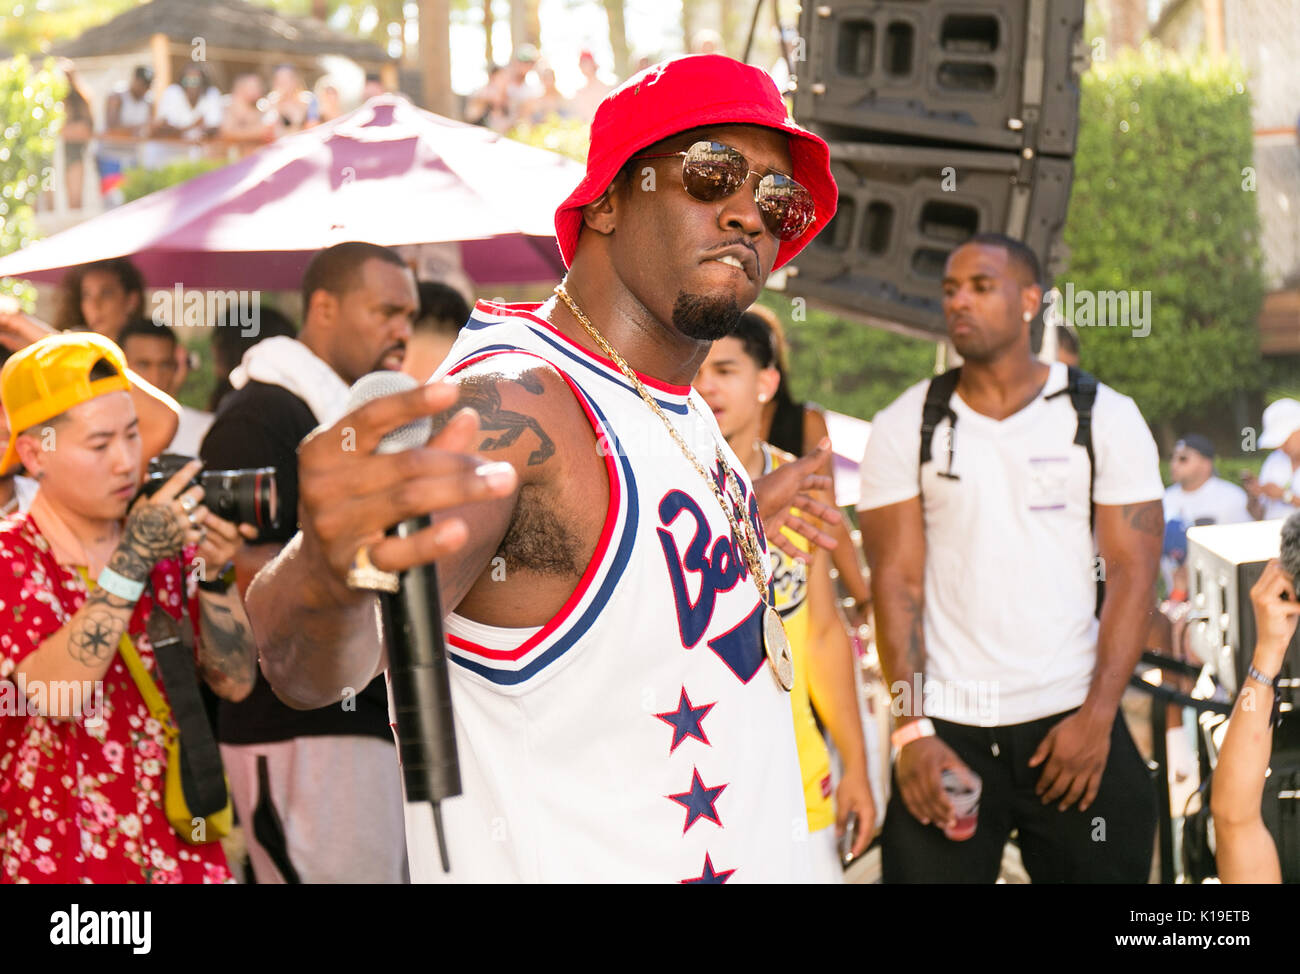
[{"x": 964, "y": 792}]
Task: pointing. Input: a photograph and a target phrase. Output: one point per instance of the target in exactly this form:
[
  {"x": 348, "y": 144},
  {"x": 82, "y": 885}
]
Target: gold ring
[{"x": 365, "y": 576}]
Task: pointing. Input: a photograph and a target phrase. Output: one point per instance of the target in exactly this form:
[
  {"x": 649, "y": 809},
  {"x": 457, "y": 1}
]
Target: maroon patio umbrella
[{"x": 388, "y": 173}]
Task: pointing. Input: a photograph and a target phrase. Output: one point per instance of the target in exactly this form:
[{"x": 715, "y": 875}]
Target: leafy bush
[
  {"x": 567, "y": 136},
  {"x": 142, "y": 182},
  {"x": 845, "y": 365},
  {"x": 1161, "y": 202},
  {"x": 31, "y": 113}
]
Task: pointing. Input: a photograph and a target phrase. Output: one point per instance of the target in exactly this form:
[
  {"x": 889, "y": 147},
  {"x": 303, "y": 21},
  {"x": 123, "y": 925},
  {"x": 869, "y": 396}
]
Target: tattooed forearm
[
  {"x": 915, "y": 635},
  {"x": 128, "y": 562},
  {"x": 227, "y": 655},
  {"x": 95, "y": 634},
  {"x": 153, "y": 533},
  {"x": 481, "y": 394},
  {"x": 1147, "y": 518}
]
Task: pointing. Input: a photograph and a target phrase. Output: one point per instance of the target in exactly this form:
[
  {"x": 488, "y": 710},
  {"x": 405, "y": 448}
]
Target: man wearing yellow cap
[
  {"x": 159, "y": 414},
  {"x": 83, "y": 759}
]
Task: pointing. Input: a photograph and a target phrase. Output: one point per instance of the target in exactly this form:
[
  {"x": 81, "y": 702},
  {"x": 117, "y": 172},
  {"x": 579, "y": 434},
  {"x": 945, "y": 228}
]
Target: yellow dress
[{"x": 791, "y": 590}]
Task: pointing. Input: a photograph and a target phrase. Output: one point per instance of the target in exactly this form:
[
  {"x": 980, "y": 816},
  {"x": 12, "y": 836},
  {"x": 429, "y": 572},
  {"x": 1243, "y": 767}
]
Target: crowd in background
[{"x": 147, "y": 128}]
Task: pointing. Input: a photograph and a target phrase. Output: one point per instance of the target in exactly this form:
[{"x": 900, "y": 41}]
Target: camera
[{"x": 239, "y": 496}]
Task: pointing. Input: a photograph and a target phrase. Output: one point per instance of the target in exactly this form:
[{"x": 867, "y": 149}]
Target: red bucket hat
[{"x": 685, "y": 93}]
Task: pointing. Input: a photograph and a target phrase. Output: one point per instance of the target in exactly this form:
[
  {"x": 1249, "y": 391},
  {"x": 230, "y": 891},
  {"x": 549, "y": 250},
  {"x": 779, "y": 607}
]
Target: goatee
[{"x": 704, "y": 318}]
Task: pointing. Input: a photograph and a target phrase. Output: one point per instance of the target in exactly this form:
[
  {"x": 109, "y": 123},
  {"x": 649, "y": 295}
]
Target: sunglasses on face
[{"x": 713, "y": 171}]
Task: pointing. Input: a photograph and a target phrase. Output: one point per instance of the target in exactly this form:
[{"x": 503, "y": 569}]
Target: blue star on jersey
[
  {"x": 698, "y": 802},
  {"x": 708, "y": 877},
  {"x": 686, "y": 721}
]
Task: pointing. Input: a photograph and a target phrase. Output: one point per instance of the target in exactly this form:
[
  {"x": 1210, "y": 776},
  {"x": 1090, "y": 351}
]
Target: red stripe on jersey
[{"x": 602, "y": 546}]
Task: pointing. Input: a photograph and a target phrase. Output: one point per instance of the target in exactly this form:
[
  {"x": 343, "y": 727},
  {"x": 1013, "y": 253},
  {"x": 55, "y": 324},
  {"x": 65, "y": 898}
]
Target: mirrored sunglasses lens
[
  {"x": 713, "y": 171},
  {"x": 786, "y": 206}
]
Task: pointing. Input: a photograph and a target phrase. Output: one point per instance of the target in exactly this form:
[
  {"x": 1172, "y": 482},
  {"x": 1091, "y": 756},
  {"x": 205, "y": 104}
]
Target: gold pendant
[{"x": 777, "y": 646}]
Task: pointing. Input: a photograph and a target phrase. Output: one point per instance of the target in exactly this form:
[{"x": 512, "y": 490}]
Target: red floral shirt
[{"x": 81, "y": 798}]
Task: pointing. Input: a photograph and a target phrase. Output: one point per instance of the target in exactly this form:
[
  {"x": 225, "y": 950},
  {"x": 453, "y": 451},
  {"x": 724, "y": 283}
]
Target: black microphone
[
  {"x": 417, "y": 652},
  {"x": 1289, "y": 555}
]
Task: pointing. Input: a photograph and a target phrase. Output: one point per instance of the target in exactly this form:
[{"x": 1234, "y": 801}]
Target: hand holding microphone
[
  {"x": 412, "y": 618},
  {"x": 349, "y": 494}
]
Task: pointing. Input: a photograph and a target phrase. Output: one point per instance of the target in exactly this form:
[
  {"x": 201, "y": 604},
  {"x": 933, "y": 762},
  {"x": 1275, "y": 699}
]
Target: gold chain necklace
[{"x": 775, "y": 642}]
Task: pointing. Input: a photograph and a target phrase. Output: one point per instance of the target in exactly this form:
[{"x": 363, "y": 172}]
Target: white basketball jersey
[{"x": 639, "y": 736}]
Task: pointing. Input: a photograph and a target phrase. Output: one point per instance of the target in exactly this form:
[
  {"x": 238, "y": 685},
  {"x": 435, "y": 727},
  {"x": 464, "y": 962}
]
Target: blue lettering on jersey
[
  {"x": 741, "y": 648},
  {"x": 719, "y": 570}
]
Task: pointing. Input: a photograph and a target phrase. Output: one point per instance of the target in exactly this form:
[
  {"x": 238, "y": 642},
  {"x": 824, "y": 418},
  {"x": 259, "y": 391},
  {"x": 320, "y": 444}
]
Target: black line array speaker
[{"x": 945, "y": 118}]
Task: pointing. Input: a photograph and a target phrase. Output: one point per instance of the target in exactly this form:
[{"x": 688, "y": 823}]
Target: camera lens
[{"x": 243, "y": 496}]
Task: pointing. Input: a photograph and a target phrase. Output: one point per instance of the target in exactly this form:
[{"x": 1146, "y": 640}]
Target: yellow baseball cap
[{"x": 51, "y": 376}]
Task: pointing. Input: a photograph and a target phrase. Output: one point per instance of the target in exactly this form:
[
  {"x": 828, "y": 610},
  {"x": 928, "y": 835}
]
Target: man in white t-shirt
[
  {"x": 1277, "y": 491},
  {"x": 189, "y": 109},
  {"x": 1197, "y": 497},
  {"x": 985, "y": 576}
]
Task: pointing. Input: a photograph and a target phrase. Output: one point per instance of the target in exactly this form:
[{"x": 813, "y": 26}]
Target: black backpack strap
[
  {"x": 1082, "y": 390},
  {"x": 1081, "y": 387},
  {"x": 936, "y": 409}
]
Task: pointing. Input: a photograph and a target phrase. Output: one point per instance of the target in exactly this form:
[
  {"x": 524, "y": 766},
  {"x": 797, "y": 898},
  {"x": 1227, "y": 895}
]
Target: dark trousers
[{"x": 1111, "y": 842}]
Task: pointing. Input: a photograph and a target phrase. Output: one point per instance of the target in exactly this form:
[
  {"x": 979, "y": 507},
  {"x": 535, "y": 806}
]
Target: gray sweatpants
[{"x": 339, "y": 800}]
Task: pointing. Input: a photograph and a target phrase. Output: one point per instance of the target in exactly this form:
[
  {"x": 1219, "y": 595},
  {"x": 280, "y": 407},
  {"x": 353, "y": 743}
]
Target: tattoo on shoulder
[
  {"x": 482, "y": 394},
  {"x": 1147, "y": 518}
]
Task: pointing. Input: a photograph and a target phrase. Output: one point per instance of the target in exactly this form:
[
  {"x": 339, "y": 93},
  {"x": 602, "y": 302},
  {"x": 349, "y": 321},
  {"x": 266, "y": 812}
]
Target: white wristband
[
  {"x": 910, "y": 732},
  {"x": 119, "y": 585}
]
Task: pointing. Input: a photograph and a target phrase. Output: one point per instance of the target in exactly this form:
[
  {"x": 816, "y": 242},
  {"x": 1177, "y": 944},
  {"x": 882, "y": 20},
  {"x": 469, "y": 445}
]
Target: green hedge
[
  {"x": 31, "y": 112},
  {"x": 142, "y": 182},
  {"x": 845, "y": 365},
  {"x": 1158, "y": 205}
]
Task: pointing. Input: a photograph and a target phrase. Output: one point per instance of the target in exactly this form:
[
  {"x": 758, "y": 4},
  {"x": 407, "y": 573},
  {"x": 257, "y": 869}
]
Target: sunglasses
[{"x": 713, "y": 171}]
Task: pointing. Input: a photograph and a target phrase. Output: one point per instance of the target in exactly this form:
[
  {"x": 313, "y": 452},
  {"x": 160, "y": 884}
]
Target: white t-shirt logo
[{"x": 1047, "y": 483}]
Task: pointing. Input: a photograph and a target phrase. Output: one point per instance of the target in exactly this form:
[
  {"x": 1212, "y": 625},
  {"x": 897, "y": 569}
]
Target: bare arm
[
  {"x": 830, "y": 668},
  {"x": 227, "y": 654},
  {"x": 113, "y": 115},
  {"x": 1075, "y": 751},
  {"x": 893, "y": 538},
  {"x": 349, "y": 498},
  {"x": 84, "y": 649},
  {"x": 834, "y": 693},
  {"x": 1128, "y": 540},
  {"x": 1244, "y": 849},
  {"x": 845, "y": 554},
  {"x": 250, "y": 559}
]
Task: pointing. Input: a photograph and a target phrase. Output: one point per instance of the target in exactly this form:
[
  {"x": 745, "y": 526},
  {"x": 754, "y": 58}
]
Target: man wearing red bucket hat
[{"x": 619, "y": 677}]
